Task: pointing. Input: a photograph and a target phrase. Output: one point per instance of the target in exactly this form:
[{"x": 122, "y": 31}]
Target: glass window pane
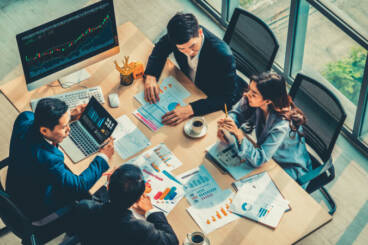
[
  {"x": 335, "y": 59},
  {"x": 276, "y": 15},
  {"x": 216, "y": 4},
  {"x": 356, "y": 10}
]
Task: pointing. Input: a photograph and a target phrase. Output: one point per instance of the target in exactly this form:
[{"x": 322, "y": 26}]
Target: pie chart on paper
[{"x": 172, "y": 106}]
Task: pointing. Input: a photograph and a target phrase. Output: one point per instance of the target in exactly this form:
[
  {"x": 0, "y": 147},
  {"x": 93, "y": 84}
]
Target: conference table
[{"x": 305, "y": 216}]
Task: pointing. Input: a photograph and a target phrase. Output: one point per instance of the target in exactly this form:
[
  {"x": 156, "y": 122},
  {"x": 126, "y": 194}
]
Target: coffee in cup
[
  {"x": 196, "y": 238},
  {"x": 197, "y": 125}
]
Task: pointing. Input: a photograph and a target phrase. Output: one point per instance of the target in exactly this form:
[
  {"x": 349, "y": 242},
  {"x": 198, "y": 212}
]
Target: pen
[
  {"x": 105, "y": 143},
  {"x": 226, "y": 110}
]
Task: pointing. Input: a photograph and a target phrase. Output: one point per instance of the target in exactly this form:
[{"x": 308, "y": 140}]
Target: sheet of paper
[
  {"x": 160, "y": 158},
  {"x": 164, "y": 193},
  {"x": 163, "y": 188},
  {"x": 128, "y": 138},
  {"x": 260, "y": 184},
  {"x": 168, "y": 86},
  {"x": 214, "y": 216},
  {"x": 199, "y": 186},
  {"x": 261, "y": 208},
  {"x": 151, "y": 114},
  {"x": 227, "y": 157}
]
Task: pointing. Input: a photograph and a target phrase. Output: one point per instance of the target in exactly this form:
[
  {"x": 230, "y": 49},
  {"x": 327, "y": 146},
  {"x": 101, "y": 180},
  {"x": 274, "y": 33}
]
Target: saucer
[{"x": 188, "y": 130}]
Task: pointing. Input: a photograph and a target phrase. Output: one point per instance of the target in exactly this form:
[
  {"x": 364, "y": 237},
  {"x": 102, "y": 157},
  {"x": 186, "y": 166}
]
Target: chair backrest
[
  {"x": 14, "y": 218},
  {"x": 252, "y": 42},
  {"x": 324, "y": 113}
]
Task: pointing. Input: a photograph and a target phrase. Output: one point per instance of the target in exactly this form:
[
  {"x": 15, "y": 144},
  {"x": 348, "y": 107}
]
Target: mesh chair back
[
  {"x": 13, "y": 217},
  {"x": 324, "y": 113},
  {"x": 252, "y": 42}
]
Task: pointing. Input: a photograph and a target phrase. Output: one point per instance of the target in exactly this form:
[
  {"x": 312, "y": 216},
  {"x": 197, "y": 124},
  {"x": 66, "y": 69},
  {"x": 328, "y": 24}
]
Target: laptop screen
[{"x": 99, "y": 123}]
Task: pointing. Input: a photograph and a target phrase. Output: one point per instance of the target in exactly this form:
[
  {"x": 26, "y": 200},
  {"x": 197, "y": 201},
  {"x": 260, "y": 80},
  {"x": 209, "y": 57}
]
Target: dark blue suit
[
  {"x": 216, "y": 71},
  {"x": 98, "y": 223},
  {"x": 38, "y": 180}
]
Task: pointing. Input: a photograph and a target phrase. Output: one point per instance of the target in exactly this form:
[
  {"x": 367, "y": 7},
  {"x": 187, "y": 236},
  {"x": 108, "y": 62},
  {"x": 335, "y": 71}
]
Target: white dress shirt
[{"x": 193, "y": 63}]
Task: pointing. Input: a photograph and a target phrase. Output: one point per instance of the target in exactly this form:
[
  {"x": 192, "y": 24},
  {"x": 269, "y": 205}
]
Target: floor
[{"x": 350, "y": 222}]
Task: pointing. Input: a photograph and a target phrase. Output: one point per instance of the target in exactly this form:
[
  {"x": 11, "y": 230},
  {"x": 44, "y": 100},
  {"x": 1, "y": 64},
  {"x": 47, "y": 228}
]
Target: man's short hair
[
  {"x": 126, "y": 186},
  {"x": 182, "y": 27},
  {"x": 48, "y": 113}
]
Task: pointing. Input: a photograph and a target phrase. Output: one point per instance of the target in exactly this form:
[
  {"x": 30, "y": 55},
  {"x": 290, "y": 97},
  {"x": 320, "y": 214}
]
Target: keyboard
[
  {"x": 75, "y": 98},
  {"x": 81, "y": 139}
]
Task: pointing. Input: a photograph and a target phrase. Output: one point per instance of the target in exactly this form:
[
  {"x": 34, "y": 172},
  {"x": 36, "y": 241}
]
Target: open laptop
[{"x": 89, "y": 132}]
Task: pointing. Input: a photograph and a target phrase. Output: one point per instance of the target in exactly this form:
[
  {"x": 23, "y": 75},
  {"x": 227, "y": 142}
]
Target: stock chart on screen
[{"x": 68, "y": 40}]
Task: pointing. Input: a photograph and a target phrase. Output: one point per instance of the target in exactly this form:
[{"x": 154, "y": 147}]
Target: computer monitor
[{"x": 68, "y": 44}]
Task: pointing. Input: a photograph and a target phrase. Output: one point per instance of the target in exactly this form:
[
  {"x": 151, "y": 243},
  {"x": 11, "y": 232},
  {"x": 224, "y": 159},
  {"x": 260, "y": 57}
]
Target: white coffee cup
[{"x": 197, "y": 125}]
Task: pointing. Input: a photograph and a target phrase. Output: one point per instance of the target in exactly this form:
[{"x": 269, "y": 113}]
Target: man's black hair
[
  {"x": 182, "y": 27},
  {"x": 48, "y": 113},
  {"x": 126, "y": 186}
]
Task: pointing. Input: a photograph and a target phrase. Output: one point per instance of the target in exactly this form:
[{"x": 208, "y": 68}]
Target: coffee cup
[
  {"x": 197, "y": 125},
  {"x": 196, "y": 238}
]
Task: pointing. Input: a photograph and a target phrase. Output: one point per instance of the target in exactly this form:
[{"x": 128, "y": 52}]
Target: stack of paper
[
  {"x": 171, "y": 93},
  {"x": 259, "y": 199}
]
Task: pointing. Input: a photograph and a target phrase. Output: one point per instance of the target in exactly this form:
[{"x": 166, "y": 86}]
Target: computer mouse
[{"x": 114, "y": 100}]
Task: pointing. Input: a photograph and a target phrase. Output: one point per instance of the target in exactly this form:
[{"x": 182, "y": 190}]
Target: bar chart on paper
[
  {"x": 215, "y": 216},
  {"x": 164, "y": 192},
  {"x": 199, "y": 185}
]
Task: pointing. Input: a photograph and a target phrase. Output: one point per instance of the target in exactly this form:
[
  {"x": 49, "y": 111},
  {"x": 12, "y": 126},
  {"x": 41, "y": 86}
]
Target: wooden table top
[{"x": 306, "y": 214}]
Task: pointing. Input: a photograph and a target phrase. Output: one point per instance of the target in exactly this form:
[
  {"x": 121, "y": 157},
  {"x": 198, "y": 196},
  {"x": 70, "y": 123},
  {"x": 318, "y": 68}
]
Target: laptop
[{"x": 89, "y": 132}]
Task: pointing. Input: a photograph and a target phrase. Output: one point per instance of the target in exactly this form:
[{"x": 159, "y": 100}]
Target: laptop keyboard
[{"x": 81, "y": 139}]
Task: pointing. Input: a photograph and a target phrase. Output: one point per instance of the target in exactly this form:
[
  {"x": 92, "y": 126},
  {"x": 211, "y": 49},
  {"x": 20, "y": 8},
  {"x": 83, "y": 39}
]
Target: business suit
[
  {"x": 38, "y": 180},
  {"x": 103, "y": 224},
  {"x": 215, "y": 76}
]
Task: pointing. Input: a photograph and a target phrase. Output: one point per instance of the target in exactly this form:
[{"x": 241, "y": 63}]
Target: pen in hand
[{"x": 106, "y": 142}]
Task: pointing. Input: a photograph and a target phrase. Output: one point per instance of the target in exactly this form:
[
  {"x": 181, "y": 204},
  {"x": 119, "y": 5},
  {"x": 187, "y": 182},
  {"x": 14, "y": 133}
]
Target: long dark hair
[{"x": 272, "y": 87}]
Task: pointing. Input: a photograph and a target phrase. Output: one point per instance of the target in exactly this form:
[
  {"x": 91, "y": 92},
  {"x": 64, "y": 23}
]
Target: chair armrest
[
  {"x": 315, "y": 172},
  {"x": 4, "y": 163},
  {"x": 53, "y": 216}
]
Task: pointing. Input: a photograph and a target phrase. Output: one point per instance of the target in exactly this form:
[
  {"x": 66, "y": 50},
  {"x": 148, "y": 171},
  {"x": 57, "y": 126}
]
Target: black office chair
[
  {"x": 253, "y": 43},
  {"x": 21, "y": 226},
  {"x": 325, "y": 118}
]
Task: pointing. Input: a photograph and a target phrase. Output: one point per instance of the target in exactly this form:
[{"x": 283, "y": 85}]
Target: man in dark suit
[
  {"x": 204, "y": 58},
  {"x": 113, "y": 223},
  {"x": 38, "y": 180}
]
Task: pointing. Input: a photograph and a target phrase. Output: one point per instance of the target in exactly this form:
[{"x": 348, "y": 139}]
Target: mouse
[{"x": 114, "y": 100}]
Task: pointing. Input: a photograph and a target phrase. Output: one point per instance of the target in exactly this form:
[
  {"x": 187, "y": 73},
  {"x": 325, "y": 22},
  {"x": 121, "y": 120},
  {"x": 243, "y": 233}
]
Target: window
[
  {"x": 325, "y": 39},
  {"x": 216, "y": 4},
  {"x": 355, "y": 12},
  {"x": 332, "y": 56},
  {"x": 276, "y": 15}
]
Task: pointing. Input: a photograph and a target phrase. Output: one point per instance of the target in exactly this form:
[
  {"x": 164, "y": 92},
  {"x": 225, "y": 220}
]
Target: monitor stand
[{"x": 74, "y": 78}]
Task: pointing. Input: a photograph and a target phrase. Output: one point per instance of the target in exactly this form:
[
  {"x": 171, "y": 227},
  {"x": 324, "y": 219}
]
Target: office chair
[
  {"x": 252, "y": 42},
  {"x": 325, "y": 118},
  {"x": 21, "y": 226}
]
